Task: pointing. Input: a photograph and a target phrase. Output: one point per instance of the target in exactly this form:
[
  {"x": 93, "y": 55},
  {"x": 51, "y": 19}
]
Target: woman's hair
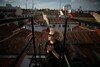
[{"x": 57, "y": 33}]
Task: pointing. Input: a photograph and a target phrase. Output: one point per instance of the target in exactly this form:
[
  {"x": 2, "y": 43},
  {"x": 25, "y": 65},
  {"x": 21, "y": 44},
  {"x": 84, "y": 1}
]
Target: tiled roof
[
  {"x": 56, "y": 20},
  {"x": 82, "y": 16},
  {"x": 40, "y": 36},
  {"x": 7, "y": 30},
  {"x": 55, "y": 12},
  {"x": 27, "y": 11},
  {"x": 6, "y": 62},
  {"x": 84, "y": 43},
  {"x": 76, "y": 14},
  {"x": 83, "y": 37},
  {"x": 38, "y": 18},
  {"x": 15, "y": 44},
  {"x": 81, "y": 28},
  {"x": 40, "y": 39},
  {"x": 87, "y": 52},
  {"x": 98, "y": 31},
  {"x": 46, "y": 30}
]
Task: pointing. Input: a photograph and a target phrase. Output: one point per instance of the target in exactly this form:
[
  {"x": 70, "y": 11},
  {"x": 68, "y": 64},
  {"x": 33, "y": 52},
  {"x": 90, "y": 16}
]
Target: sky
[{"x": 55, "y": 4}]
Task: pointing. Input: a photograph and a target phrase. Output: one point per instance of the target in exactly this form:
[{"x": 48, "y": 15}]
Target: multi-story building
[
  {"x": 27, "y": 12},
  {"x": 53, "y": 19},
  {"x": 10, "y": 11}
]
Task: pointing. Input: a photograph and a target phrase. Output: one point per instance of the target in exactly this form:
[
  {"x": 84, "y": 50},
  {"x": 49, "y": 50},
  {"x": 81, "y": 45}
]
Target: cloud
[
  {"x": 53, "y": 3},
  {"x": 1, "y": 1}
]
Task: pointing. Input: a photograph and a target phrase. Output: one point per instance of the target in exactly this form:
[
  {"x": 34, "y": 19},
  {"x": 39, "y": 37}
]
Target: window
[
  {"x": 59, "y": 25},
  {"x": 63, "y": 25},
  {"x": 68, "y": 26},
  {"x": 53, "y": 25}
]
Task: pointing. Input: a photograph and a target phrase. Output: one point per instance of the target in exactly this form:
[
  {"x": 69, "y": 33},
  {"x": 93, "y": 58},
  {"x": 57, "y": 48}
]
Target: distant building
[
  {"x": 39, "y": 22},
  {"x": 53, "y": 19},
  {"x": 2, "y": 15},
  {"x": 27, "y": 12},
  {"x": 10, "y": 11},
  {"x": 9, "y": 5}
]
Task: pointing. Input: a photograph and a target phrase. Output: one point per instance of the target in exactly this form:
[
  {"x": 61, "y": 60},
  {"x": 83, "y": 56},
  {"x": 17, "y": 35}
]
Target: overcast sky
[{"x": 55, "y": 4}]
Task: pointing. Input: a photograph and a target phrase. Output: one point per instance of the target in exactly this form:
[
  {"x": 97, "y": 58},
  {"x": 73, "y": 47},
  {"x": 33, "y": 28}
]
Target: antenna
[
  {"x": 60, "y": 5},
  {"x": 26, "y": 4},
  {"x": 32, "y": 4},
  {"x": 33, "y": 8}
]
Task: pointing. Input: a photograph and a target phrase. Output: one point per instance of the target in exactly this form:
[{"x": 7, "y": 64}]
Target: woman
[{"x": 53, "y": 49}]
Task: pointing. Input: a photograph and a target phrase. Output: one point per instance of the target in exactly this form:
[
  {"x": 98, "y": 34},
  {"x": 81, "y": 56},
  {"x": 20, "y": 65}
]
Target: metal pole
[
  {"x": 34, "y": 47},
  {"x": 64, "y": 43},
  {"x": 65, "y": 30}
]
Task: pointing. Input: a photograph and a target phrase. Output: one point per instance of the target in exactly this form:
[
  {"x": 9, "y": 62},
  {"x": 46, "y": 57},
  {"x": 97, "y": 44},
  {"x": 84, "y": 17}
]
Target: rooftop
[
  {"x": 56, "y": 20},
  {"x": 83, "y": 36},
  {"x": 19, "y": 39}
]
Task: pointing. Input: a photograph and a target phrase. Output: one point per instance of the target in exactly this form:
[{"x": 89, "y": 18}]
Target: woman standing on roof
[{"x": 53, "y": 48}]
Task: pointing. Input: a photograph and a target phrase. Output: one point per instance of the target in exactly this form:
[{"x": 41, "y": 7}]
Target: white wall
[
  {"x": 36, "y": 27},
  {"x": 57, "y": 26},
  {"x": 61, "y": 27}
]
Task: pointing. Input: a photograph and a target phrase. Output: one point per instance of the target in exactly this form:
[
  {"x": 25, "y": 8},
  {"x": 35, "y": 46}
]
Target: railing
[
  {"x": 80, "y": 22},
  {"x": 16, "y": 62}
]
